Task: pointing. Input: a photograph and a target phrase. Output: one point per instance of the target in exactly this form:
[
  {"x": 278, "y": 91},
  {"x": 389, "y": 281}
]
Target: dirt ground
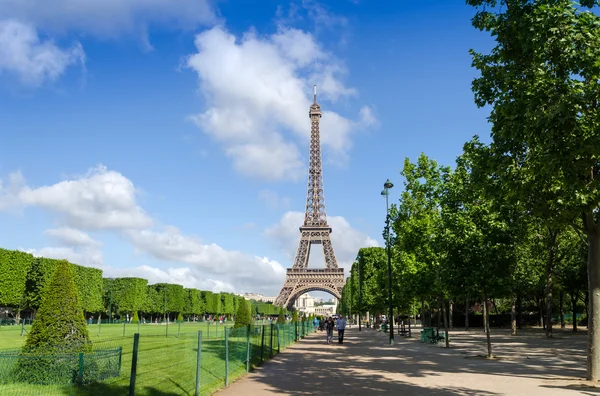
[{"x": 527, "y": 364}]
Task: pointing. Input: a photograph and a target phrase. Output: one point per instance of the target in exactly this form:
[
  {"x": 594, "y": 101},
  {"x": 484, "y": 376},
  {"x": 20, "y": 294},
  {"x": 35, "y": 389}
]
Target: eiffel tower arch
[{"x": 315, "y": 231}]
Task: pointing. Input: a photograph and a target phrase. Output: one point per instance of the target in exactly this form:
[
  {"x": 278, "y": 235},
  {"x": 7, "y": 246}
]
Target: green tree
[
  {"x": 173, "y": 297},
  {"x": 544, "y": 116},
  {"x": 243, "y": 317},
  {"x": 60, "y": 325},
  {"x": 194, "y": 303},
  {"x": 153, "y": 302},
  {"x": 227, "y": 303},
  {"x": 89, "y": 286},
  {"x": 216, "y": 304},
  {"x": 281, "y": 317},
  {"x": 14, "y": 267}
]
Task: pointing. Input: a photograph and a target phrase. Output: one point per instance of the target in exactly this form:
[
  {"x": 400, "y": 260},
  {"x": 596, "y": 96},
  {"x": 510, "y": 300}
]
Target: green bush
[
  {"x": 180, "y": 317},
  {"x": 243, "y": 317},
  {"x": 295, "y": 317},
  {"x": 60, "y": 325},
  {"x": 281, "y": 317},
  {"x": 136, "y": 318}
]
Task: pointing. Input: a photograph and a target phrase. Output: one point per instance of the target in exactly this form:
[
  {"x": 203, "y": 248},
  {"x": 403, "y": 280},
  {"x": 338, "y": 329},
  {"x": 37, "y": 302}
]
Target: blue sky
[{"x": 170, "y": 141}]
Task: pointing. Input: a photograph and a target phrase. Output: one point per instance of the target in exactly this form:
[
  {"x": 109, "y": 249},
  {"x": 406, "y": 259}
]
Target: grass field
[{"x": 166, "y": 364}]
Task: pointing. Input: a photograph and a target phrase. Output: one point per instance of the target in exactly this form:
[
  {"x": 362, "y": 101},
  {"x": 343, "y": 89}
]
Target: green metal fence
[{"x": 174, "y": 362}]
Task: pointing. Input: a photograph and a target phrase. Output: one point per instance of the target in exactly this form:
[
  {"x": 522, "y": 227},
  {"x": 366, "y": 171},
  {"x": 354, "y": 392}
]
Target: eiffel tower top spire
[{"x": 315, "y": 215}]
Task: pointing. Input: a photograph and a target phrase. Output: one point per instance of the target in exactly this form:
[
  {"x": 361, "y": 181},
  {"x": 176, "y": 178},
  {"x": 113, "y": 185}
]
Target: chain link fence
[{"x": 186, "y": 363}]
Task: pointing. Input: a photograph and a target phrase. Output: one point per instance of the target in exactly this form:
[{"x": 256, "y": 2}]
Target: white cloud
[
  {"x": 273, "y": 200},
  {"x": 108, "y": 18},
  {"x": 258, "y": 90},
  {"x": 33, "y": 60},
  {"x": 88, "y": 256},
  {"x": 244, "y": 272},
  {"x": 101, "y": 199},
  {"x": 367, "y": 116},
  {"x": 105, "y": 199},
  {"x": 185, "y": 276},
  {"x": 345, "y": 239},
  {"x": 71, "y": 236}
]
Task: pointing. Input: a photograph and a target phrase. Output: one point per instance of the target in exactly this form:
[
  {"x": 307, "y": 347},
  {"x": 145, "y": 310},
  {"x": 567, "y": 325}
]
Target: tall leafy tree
[
  {"x": 542, "y": 80},
  {"x": 60, "y": 326}
]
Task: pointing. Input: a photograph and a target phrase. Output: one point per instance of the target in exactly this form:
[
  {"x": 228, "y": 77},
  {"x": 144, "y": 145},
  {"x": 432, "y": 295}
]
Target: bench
[{"x": 431, "y": 335}]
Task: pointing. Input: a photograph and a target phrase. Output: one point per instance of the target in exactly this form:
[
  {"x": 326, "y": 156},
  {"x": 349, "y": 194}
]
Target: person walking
[
  {"x": 341, "y": 326},
  {"x": 329, "y": 326}
]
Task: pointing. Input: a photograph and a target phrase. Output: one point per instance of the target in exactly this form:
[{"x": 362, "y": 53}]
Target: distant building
[
  {"x": 259, "y": 297},
  {"x": 308, "y": 304}
]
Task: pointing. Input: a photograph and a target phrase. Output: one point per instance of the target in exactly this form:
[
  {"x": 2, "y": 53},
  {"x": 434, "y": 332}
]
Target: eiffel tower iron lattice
[{"x": 300, "y": 279}]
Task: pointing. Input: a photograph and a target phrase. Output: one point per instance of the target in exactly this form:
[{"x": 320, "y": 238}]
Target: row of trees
[
  {"x": 23, "y": 281},
  {"x": 517, "y": 218}
]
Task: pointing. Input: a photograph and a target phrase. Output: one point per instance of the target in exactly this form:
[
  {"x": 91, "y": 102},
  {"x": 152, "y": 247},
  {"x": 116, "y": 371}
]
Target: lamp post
[
  {"x": 110, "y": 319},
  {"x": 359, "y": 291},
  {"x": 386, "y": 187}
]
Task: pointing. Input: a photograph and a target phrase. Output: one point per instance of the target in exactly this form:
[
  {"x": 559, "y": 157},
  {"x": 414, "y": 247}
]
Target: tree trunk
[
  {"x": 486, "y": 326},
  {"x": 438, "y": 315},
  {"x": 593, "y": 358},
  {"x": 100, "y": 318},
  {"x": 574, "y": 309},
  {"x": 541, "y": 312},
  {"x": 519, "y": 311},
  {"x": 549, "y": 271},
  {"x": 467, "y": 313},
  {"x": 451, "y": 313},
  {"x": 444, "y": 313},
  {"x": 422, "y": 312},
  {"x": 485, "y": 315},
  {"x": 513, "y": 317},
  {"x": 562, "y": 311}
]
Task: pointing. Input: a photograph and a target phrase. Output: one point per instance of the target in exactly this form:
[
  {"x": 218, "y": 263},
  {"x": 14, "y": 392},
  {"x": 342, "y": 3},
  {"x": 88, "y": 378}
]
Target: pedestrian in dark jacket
[{"x": 329, "y": 326}]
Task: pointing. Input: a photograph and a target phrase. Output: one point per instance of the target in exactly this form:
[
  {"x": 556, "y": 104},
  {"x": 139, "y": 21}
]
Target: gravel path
[{"x": 365, "y": 365}]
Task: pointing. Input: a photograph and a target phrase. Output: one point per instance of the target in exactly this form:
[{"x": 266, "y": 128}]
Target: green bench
[{"x": 431, "y": 335}]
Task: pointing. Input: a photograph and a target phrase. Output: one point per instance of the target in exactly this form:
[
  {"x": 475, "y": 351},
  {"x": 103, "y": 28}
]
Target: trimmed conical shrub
[
  {"x": 243, "y": 317},
  {"x": 281, "y": 317},
  {"x": 135, "y": 318},
  {"x": 180, "y": 317},
  {"x": 295, "y": 316},
  {"x": 59, "y": 326}
]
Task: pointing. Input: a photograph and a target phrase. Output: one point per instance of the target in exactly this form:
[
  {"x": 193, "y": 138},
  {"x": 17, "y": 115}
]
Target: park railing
[{"x": 174, "y": 362}]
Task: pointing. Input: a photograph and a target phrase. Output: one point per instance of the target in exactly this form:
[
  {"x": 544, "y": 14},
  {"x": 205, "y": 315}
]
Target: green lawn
[{"x": 166, "y": 364}]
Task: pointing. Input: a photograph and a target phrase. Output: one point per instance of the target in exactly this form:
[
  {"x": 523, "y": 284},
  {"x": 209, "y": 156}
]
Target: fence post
[
  {"x": 262, "y": 343},
  {"x": 99, "y": 323},
  {"x": 178, "y": 329},
  {"x": 198, "y": 362},
  {"x": 167, "y": 329},
  {"x": 124, "y": 328},
  {"x": 139, "y": 325},
  {"x": 278, "y": 341},
  {"x": 134, "y": 358},
  {"x": 80, "y": 373},
  {"x": 271, "y": 343},
  {"x": 226, "y": 360},
  {"x": 295, "y": 331},
  {"x": 248, "y": 349}
]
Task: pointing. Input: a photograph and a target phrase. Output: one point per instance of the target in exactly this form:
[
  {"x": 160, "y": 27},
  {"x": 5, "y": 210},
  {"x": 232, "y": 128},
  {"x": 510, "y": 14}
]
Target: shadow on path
[{"x": 367, "y": 365}]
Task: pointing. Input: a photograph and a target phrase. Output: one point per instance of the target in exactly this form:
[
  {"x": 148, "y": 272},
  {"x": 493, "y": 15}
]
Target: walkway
[{"x": 365, "y": 365}]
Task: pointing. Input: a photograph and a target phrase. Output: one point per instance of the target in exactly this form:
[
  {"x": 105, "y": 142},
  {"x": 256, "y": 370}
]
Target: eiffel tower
[{"x": 315, "y": 230}]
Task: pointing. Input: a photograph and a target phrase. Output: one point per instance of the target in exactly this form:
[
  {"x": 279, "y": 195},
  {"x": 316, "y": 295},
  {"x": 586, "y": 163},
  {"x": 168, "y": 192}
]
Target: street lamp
[
  {"x": 112, "y": 280},
  {"x": 359, "y": 291},
  {"x": 386, "y": 187}
]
